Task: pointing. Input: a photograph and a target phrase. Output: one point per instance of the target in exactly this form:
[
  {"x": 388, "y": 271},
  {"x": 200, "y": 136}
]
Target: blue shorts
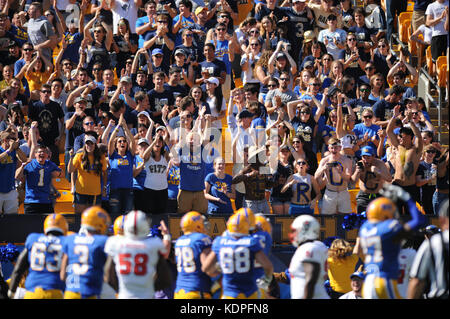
[{"x": 295, "y": 210}]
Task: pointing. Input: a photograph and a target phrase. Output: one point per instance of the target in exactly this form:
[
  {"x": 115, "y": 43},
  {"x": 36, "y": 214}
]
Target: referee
[{"x": 431, "y": 264}]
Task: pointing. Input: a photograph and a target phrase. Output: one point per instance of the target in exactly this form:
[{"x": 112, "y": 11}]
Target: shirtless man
[
  {"x": 407, "y": 155},
  {"x": 336, "y": 170},
  {"x": 372, "y": 173}
]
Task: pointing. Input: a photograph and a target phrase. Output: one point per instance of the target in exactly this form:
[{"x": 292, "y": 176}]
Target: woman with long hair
[
  {"x": 216, "y": 102},
  {"x": 335, "y": 76},
  {"x": 236, "y": 103},
  {"x": 98, "y": 44},
  {"x": 268, "y": 33},
  {"x": 37, "y": 74},
  {"x": 125, "y": 44},
  {"x": 90, "y": 165},
  {"x": 353, "y": 57},
  {"x": 281, "y": 61},
  {"x": 342, "y": 262},
  {"x": 218, "y": 189},
  {"x": 302, "y": 186},
  {"x": 281, "y": 201},
  {"x": 383, "y": 58},
  {"x": 303, "y": 83},
  {"x": 299, "y": 152},
  {"x": 197, "y": 94},
  {"x": 324, "y": 68},
  {"x": 261, "y": 70},
  {"x": 378, "y": 90},
  {"x": 121, "y": 153},
  {"x": 251, "y": 55}
]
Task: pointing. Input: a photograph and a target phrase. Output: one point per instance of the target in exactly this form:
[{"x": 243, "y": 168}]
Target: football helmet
[
  {"x": 263, "y": 223},
  {"x": 118, "y": 225},
  {"x": 192, "y": 222},
  {"x": 136, "y": 224},
  {"x": 380, "y": 209},
  {"x": 304, "y": 227},
  {"x": 56, "y": 222},
  {"x": 238, "y": 225},
  {"x": 248, "y": 213},
  {"x": 96, "y": 219}
]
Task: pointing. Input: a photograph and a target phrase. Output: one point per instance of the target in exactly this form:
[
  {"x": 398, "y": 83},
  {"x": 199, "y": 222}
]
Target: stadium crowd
[{"x": 164, "y": 106}]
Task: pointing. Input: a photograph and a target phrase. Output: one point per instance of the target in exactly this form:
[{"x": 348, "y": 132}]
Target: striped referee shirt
[{"x": 431, "y": 265}]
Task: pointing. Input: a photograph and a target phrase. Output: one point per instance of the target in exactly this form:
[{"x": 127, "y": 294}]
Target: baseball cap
[
  {"x": 125, "y": 78},
  {"x": 200, "y": 9},
  {"x": 334, "y": 141},
  {"x": 308, "y": 64},
  {"x": 331, "y": 17},
  {"x": 281, "y": 55},
  {"x": 213, "y": 80},
  {"x": 144, "y": 113},
  {"x": 245, "y": 114},
  {"x": 298, "y": 1},
  {"x": 160, "y": 128},
  {"x": 90, "y": 138},
  {"x": 143, "y": 140},
  {"x": 357, "y": 274},
  {"x": 180, "y": 51},
  {"x": 157, "y": 51},
  {"x": 80, "y": 99},
  {"x": 367, "y": 150},
  {"x": 308, "y": 36}
]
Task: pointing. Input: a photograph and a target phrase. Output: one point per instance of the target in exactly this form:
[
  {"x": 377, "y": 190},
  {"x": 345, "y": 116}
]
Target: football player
[
  {"x": 84, "y": 256},
  {"x": 134, "y": 258},
  {"x": 191, "y": 251},
  {"x": 42, "y": 257},
  {"x": 118, "y": 225},
  {"x": 308, "y": 267},
  {"x": 380, "y": 238},
  {"x": 263, "y": 232},
  {"x": 236, "y": 251}
]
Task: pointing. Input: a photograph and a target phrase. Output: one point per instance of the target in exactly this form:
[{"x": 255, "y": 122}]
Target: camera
[{"x": 360, "y": 164}]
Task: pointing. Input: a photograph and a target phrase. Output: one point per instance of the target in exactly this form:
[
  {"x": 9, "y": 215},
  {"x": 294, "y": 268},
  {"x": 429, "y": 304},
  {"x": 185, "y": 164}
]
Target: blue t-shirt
[
  {"x": 74, "y": 42},
  {"x": 173, "y": 181},
  {"x": 121, "y": 170},
  {"x": 380, "y": 107},
  {"x": 360, "y": 130},
  {"x": 38, "y": 178},
  {"x": 188, "y": 249},
  {"x": 185, "y": 23},
  {"x": 86, "y": 259},
  {"x": 216, "y": 190},
  {"x": 7, "y": 171},
  {"x": 44, "y": 257},
  {"x": 138, "y": 181},
  {"x": 236, "y": 257},
  {"x": 192, "y": 170},
  {"x": 265, "y": 240},
  {"x": 222, "y": 48}
]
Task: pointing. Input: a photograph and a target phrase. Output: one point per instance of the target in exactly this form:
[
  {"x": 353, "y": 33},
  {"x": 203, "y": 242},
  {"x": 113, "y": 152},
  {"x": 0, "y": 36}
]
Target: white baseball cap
[
  {"x": 143, "y": 140},
  {"x": 213, "y": 80},
  {"x": 90, "y": 138}
]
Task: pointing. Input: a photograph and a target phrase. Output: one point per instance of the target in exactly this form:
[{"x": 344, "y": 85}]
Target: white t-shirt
[
  {"x": 435, "y": 10},
  {"x": 212, "y": 106},
  {"x": 156, "y": 174},
  {"x": 127, "y": 10},
  {"x": 136, "y": 265},
  {"x": 340, "y": 36},
  {"x": 405, "y": 260},
  {"x": 315, "y": 252},
  {"x": 350, "y": 295}
]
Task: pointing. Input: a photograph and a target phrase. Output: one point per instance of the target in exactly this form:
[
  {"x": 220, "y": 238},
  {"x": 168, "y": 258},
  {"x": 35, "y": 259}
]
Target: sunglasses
[
  {"x": 367, "y": 116},
  {"x": 96, "y": 69},
  {"x": 284, "y": 79},
  {"x": 369, "y": 68},
  {"x": 254, "y": 44},
  {"x": 364, "y": 90},
  {"x": 158, "y": 56},
  {"x": 254, "y": 31},
  {"x": 382, "y": 46},
  {"x": 415, "y": 113},
  {"x": 89, "y": 143},
  {"x": 301, "y": 163},
  {"x": 97, "y": 31},
  {"x": 28, "y": 49},
  {"x": 129, "y": 62},
  {"x": 351, "y": 39},
  {"x": 66, "y": 64},
  {"x": 295, "y": 142},
  {"x": 121, "y": 141},
  {"x": 272, "y": 85},
  {"x": 314, "y": 84},
  {"x": 303, "y": 112},
  {"x": 162, "y": 21},
  {"x": 431, "y": 151},
  {"x": 45, "y": 91},
  {"x": 220, "y": 29},
  {"x": 188, "y": 35},
  {"x": 89, "y": 123}
]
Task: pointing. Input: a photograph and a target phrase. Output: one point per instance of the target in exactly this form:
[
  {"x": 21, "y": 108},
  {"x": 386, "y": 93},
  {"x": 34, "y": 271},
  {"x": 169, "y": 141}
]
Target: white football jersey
[
  {"x": 135, "y": 261},
  {"x": 315, "y": 252},
  {"x": 405, "y": 260}
]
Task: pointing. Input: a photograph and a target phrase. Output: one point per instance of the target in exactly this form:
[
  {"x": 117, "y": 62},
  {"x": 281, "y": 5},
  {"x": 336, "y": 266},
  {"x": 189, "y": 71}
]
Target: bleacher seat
[
  {"x": 404, "y": 30},
  {"x": 401, "y": 19},
  {"x": 410, "y": 6},
  {"x": 441, "y": 61},
  {"x": 442, "y": 75},
  {"x": 429, "y": 61}
]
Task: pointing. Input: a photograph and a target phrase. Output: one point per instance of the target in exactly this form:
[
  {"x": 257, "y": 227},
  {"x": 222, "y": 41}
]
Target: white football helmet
[
  {"x": 304, "y": 227},
  {"x": 136, "y": 224}
]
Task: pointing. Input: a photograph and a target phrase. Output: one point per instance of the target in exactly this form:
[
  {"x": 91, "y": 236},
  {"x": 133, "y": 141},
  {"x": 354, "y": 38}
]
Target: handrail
[{"x": 431, "y": 98}]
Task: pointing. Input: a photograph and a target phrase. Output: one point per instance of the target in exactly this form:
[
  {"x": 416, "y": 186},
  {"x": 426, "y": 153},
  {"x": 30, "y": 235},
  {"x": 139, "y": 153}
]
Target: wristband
[{"x": 167, "y": 237}]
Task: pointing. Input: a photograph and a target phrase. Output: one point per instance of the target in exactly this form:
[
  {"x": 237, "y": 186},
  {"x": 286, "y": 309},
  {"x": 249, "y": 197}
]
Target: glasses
[
  {"x": 301, "y": 163},
  {"x": 223, "y": 16},
  {"x": 158, "y": 56},
  {"x": 351, "y": 39},
  {"x": 303, "y": 112},
  {"x": 45, "y": 91},
  {"x": 129, "y": 62},
  {"x": 103, "y": 117},
  {"x": 162, "y": 21},
  {"x": 68, "y": 64},
  {"x": 382, "y": 46},
  {"x": 96, "y": 69},
  {"x": 97, "y": 31},
  {"x": 431, "y": 151},
  {"x": 254, "y": 31},
  {"x": 365, "y": 90},
  {"x": 295, "y": 142},
  {"x": 254, "y": 44},
  {"x": 367, "y": 116},
  {"x": 121, "y": 141},
  {"x": 188, "y": 35},
  {"x": 220, "y": 29},
  {"x": 314, "y": 84},
  {"x": 272, "y": 85},
  {"x": 284, "y": 79},
  {"x": 415, "y": 113},
  {"x": 369, "y": 68},
  {"x": 89, "y": 123}
]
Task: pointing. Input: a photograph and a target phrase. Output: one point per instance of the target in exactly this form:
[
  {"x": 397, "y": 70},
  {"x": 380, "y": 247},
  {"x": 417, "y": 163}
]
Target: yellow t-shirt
[
  {"x": 339, "y": 272},
  {"x": 37, "y": 79},
  {"x": 88, "y": 182}
]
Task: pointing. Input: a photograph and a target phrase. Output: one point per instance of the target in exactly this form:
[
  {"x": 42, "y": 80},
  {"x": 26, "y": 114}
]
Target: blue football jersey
[
  {"x": 236, "y": 257},
  {"x": 38, "y": 179},
  {"x": 86, "y": 259},
  {"x": 379, "y": 247},
  {"x": 190, "y": 275},
  {"x": 44, "y": 257},
  {"x": 265, "y": 240}
]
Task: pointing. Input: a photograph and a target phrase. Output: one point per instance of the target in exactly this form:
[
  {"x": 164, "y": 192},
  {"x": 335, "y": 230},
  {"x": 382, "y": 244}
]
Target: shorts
[
  {"x": 77, "y": 295},
  {"x": 40, "y": 293},
  {"x": 363, "y": 199},
  {"x": 438, "y": 46},
  {"x": 376, "y": 287},
  {"x": 37, "y": 208},
  {"x": 295, "y": 210},
  {"x": 188, "y": 201},
  {"x": 242, "y": 296},
  {"x": 9, "y": 202},
  {"x": 336, "y": 202},
  {"x": 182, "y": 294},
  {"x": 87, "y": 199}
]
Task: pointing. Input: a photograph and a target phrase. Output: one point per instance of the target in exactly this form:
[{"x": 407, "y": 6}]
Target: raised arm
[{"x": 390, "y": 127}]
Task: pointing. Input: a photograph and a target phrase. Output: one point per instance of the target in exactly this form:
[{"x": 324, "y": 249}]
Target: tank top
[
  {"x": 156, "y": 178},
  {"x": 301, "y": 191}
]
